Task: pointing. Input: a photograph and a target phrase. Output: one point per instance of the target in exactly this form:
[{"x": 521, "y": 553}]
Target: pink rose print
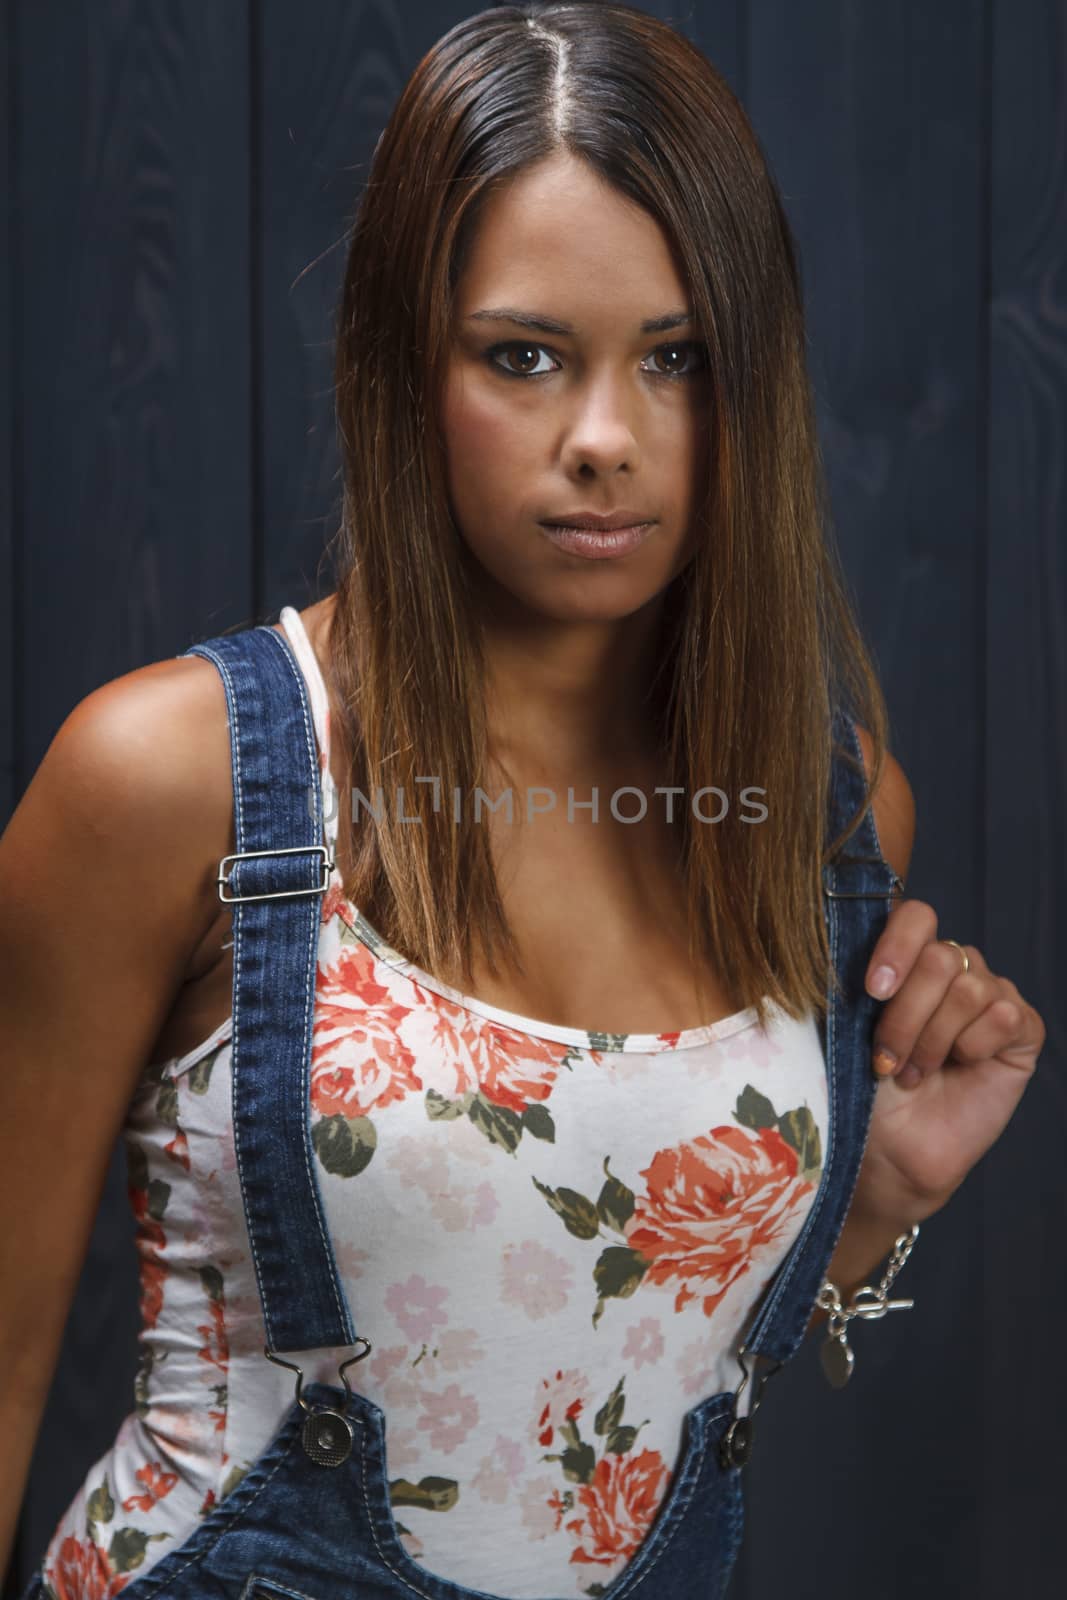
[
  {"x": 561, "y": 1398},
  {"x": 499, "y": 1471},
  {"x": 521, "y": 1067},
  {"x": 358, "y": 1063},
  {"x": 422, "y": 1163},
  {"x": 535, "y": 1278},
  {"x": 455, "y": 1350},
  {"x": 485, "y": 1205},
  {"x": 350, "y": 1259},
  {"x": 752, "y": 1044},
  {"x": 695, "y": 1366},
  {"x": 411, "y": 1542},
  {"x": 84, "y": 1572},
  {"x": 459, "y": 1209},
  {"x": 714, "y": 1206},
  {"x": 538, "y": 1502},
  {"x": 644, "y": 1342},
  {"x": 333, "y": 903},
  {"x": 157, "y": 1484},
  {"x": 416, "y": 1305},
  {"x": 465, "y": 1051},
  {"x": 448, "y": 1417},
  {"x": 403, "y": 1450},
  {"x": 385, "y": 1361}
]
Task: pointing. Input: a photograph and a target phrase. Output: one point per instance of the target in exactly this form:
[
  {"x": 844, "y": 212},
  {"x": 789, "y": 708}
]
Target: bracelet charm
[{"x": 836, "y": 1355}]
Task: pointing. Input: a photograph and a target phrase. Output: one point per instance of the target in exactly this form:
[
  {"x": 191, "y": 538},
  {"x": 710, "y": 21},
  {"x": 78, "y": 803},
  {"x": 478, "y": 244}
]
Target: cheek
[{"x": 487, "y": 436}]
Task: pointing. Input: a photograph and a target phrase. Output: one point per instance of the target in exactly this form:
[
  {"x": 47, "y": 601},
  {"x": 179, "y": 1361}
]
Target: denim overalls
[{"x": 311, "y": 1520}]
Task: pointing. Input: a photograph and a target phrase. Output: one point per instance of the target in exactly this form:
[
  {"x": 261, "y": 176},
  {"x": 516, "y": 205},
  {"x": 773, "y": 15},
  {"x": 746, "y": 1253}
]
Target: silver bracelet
[{"x": 868, "y": 1303}]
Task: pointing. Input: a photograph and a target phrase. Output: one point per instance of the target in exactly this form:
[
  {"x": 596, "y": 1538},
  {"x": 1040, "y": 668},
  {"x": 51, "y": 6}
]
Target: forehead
[{"x": 558, "y": 238}]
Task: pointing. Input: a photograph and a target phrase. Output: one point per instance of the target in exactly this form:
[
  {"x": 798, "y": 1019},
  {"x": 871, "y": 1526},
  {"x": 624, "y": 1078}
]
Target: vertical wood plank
[
  {"x": 1025, "y": 1286},
  {"x": 873, "y": 121},
  {"x": 132, "y": 482},
  {"x": 316, "y": 129}
]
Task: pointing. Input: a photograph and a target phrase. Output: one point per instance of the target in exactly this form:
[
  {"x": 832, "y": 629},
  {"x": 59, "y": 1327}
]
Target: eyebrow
[{"x": 542, "y": 324}]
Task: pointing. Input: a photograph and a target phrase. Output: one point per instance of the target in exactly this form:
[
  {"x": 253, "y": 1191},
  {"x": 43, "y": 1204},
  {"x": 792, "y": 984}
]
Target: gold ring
[{"x": 962, "y": 951}]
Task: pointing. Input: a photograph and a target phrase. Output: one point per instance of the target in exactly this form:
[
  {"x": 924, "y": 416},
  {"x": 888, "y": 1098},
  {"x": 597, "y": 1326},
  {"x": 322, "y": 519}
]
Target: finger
[
  {"x": 936, "y": 1001},
  {"x": 973, "y": 1022},
  {"x": 909, "y": 928},
  {"x": 1023, "y": 1025}
]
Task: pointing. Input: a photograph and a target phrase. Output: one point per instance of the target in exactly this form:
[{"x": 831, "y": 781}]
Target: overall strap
[
  {"x": 274, "y": 882},
  {"x": 858, "y": 889}
]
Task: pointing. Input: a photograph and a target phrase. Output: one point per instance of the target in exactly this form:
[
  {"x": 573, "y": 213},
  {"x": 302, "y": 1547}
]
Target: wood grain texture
[
  {"x": 132, "y": 246},
  {"x": 182, "y": 178},
  {"x": 1024, "y": 1282}
]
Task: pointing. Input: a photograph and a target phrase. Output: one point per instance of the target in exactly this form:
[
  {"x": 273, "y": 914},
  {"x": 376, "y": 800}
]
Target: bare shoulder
[
  {"x": 894, "y": 807},
  {"x": 137, "y": 778},
  {"x": 106, "y": 888}
]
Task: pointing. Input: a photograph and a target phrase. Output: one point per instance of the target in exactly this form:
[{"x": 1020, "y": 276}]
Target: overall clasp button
[
  {"x": 735, "y": 1447},
  {"x": 326, "y": 1435}
]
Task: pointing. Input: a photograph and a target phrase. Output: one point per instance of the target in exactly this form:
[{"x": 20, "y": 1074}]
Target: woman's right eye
[{"x": 522, "y": 349}]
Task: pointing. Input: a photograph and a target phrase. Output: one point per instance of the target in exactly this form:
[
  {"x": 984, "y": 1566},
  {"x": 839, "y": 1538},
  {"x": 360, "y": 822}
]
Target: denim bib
[{"x": 311, "y": 1519}]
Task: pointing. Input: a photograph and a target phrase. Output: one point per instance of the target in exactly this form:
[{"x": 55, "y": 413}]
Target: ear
[{"x": 893, "y": 805}]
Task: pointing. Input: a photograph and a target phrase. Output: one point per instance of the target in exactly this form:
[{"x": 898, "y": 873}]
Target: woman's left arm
[{"x": 954, "y": 1049}]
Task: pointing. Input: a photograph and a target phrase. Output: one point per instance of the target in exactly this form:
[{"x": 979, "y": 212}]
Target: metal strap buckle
[
  {"x": 895, "y": 893},
  {"x": 320, "y": 850}
]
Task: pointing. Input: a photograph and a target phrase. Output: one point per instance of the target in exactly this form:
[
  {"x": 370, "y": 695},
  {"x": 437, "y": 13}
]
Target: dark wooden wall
[{"x": 179, "y": 178}]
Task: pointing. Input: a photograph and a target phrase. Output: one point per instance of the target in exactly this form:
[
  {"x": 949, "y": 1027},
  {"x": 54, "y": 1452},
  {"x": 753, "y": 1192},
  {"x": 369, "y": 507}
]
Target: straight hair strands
[{"x": 759, "y": 637}]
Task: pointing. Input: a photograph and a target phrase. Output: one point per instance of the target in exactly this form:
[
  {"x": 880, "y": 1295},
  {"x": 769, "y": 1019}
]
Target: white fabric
[{"x": 484, "y": 1134}]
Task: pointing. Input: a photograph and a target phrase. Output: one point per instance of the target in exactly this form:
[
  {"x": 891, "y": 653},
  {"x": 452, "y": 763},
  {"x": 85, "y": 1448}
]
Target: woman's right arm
[{"x": 107, "y": 871}]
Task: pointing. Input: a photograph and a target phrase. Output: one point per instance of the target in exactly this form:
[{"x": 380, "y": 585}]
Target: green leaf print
[
  {"x": 754, "y": 1110},
  {"x": 620, "y": 1440},
  {"x": 344, "y": 1145},
  {"x": 606, "y": 1041},
  {"x": 431, "y": 1494},
  {"x": 211, "y": 1279},
  {"x": 578, "y": 1463},
  {"x": 579, "y": 1214},
  {"x": 167, "y": 1103},
  {"x": 233, "y": 1478},
  {"x": 578, "y": 1460},
  {"x": 440, "y": 1109},
  {"x": 127, "y": 1548},
  {"x": 99, "y": 1508},
  {"x": 537, "y": 1120},
  {"x": 615, "y": 1202},
  {"x": 158, "y": 1195},
  {"x": 617, "y": 1274},
  {"x": 610, "y": 1414},
  {"x": 500, "y": 1124},
  {"x": 200, "y": 1077},
  {"x": 146, "y": 1360},
  {"x": 798, "y": 1128}
]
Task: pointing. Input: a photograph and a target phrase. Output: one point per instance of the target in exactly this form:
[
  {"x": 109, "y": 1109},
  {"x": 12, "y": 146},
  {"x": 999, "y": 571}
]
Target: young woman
[{"x": 586, "y": 1067}]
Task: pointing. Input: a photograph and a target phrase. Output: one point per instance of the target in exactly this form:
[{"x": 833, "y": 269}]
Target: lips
[{"x": 597, "y": 523}]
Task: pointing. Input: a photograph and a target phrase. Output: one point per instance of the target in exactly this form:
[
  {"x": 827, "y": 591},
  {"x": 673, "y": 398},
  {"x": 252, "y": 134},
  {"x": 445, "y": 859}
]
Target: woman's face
[{"x": 544, "y": 424}]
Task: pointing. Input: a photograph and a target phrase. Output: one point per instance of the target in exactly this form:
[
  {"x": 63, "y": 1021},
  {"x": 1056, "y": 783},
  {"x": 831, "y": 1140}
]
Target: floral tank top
[{"x": 552, "y": 1239}]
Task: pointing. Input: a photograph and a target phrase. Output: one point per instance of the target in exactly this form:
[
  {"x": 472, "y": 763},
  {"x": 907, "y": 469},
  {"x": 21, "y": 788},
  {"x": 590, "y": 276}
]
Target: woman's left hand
[{"x": 966, "y": 1044}]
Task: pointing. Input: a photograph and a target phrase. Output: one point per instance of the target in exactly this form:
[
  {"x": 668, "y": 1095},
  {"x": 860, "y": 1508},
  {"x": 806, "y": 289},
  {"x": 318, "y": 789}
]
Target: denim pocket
[{"x": 258, "y": 1588}]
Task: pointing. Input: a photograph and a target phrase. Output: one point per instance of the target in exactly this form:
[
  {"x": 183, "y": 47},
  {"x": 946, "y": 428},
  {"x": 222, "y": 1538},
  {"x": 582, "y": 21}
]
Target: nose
[{"x": 599, "y": 429}]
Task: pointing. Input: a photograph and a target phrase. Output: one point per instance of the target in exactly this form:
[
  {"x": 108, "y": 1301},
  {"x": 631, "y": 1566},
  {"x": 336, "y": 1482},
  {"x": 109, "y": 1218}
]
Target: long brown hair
[{"x": 759, "y": 637}]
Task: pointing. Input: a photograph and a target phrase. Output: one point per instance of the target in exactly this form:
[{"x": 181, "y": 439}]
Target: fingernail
[
  {"x": 884, "y": 1061},
  {"x": 882, "y": 980}
]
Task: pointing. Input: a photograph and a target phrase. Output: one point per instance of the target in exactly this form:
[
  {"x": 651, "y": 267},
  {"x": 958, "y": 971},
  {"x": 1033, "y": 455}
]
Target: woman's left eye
[{"x": 692, "y": 345}]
